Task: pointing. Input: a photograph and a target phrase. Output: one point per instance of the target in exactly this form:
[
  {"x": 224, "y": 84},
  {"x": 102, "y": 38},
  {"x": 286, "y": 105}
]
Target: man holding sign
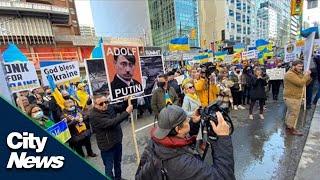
[
  {"x": 294, "y": 82},
  {"x": 106, "y": 124}
]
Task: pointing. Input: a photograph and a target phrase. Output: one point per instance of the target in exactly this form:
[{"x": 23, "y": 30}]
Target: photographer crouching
[{"x": 170, "y": 153}]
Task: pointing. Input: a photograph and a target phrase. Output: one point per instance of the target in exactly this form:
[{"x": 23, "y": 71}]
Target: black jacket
[
  {"x": 123, "y": 87},
  {"x": 258, "y": 88},
  {"x": 106, "y": 125},
  {"x": 182, "y": 163}
]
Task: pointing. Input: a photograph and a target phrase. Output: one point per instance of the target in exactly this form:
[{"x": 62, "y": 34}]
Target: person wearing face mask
[
  {"x": 105, "y": 121},
  {"x": 36, "y": 113},
  {"x": 79, "y": 130},
  {"x": 163, "y": 95}
]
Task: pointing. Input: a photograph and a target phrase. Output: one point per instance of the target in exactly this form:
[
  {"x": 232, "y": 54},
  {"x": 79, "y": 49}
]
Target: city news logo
[{"x": 26, "y": 140}]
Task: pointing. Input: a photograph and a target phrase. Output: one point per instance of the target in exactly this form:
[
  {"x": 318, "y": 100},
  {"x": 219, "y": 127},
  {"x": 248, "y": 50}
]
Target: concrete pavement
[
  {"x": 262, "y": 150},
  {"x": 309, "y": 165}
]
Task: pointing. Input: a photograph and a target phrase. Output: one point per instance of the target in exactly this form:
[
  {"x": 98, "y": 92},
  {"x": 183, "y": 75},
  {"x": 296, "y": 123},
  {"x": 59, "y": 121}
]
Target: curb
[{"x": 309, "y": 164}]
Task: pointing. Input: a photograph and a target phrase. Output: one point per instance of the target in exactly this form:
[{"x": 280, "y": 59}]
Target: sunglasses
[
  {"x": 104, "y": 102},
  {"x": 190, "y": 87}
]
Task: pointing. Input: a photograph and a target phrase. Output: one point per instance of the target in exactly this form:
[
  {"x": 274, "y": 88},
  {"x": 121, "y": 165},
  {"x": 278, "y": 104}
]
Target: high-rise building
[
  {"x": 87, "y": 31},
  {"x": 34, "y": 22},
  {"x": 174, "y": 18},
  {"x": 231, "y": 21},
  {"x": 276, "y": 14},
  {"x": 122, "y": 19},
  {"x": 311, "y": 13},
  {"x": 294, "y": 27}
]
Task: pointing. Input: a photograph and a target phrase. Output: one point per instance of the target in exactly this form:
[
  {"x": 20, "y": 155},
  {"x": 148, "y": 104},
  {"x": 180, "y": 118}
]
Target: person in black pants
[
  {"x": 275, "y": 85},
  {"x": 246, "y": 80},
  {"x": 257, "y": 92}
]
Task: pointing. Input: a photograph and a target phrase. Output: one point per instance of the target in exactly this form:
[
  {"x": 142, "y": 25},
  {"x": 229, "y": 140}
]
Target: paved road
[{"x": 262, "y": 150}]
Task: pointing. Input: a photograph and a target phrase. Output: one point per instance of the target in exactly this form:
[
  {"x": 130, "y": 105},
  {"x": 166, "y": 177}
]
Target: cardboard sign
[
  {"x": 21, "y": 76},
  {"x": 61, "y": 72},
  {"x": 228, "y": 59},
  {"x": 276, "y": 73},
  {"x": 308, "y": 50},
  {"x": 290, "y": 52},
  {"x": 252, "y": 54},
  {"x": 123, "y": 71},
  {"x": 97, "y": 77},
  {"x": 151, "y": 67},
  {"x": 60, "y": 131}
]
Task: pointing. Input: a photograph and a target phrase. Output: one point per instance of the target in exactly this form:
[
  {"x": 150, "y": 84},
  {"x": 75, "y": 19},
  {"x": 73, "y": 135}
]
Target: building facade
[
  {"x": 229, "y": 21},
  {"x": 174, "y": 18},
  {"x": 311, "y": 13},
  {"x": 276, "y": 14},
  {"x": 87, "y": 31}
]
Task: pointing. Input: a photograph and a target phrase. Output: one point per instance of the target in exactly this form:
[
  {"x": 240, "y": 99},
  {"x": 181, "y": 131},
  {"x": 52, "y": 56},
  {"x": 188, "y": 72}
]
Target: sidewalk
[{"x": 309, "y": 164}]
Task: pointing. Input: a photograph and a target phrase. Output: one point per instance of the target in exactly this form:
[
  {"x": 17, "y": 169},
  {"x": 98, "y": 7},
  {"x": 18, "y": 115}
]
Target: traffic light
[{"x": 296, "y": 7}]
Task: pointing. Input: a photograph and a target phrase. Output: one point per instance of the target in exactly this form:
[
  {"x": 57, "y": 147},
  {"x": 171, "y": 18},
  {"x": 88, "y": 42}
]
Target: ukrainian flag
[
  {"x": 219, "y": 56},
  {"x": 187, "y": 65},
  {"x": 13, "y": 54},
  {"x": 179, "y": 44},
  {"x": 60, "y": 131},
  {"x": 97, "y": 51},
  {"x": 265, "y": 49},
  {"x": 203, "y": 58},
  {"x": 238, "y": 48}
]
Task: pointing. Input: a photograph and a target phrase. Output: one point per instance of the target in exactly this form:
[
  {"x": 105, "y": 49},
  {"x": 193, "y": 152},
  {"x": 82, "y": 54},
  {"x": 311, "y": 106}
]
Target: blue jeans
[
  {"x": 112, "y": 160},
  {"x": 316, "y": 98}
]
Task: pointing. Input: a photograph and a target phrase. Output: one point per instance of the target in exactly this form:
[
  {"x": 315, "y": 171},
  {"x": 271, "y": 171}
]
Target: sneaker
[
  {"x": 251, "y": 116},
  {"x": 241, "y": 107},
  {"x": 235, "y": 108},
  {"x": 261, "y": 116}
]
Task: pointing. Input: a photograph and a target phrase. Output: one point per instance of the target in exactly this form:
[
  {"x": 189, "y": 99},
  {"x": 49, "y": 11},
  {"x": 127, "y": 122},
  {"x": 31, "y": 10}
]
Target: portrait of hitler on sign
[{"x": 123, "y": 71}]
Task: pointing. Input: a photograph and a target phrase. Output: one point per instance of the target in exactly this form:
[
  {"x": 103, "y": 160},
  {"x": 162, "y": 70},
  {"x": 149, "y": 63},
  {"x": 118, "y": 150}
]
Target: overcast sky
[{"x": 84, "y": 12}]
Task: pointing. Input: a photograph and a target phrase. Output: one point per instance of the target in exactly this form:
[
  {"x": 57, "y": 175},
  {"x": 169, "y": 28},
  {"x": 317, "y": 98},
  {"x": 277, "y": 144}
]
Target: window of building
[
  {"x": 248, "y": 10},
  {"x": 231, "y": 13},
  {"x": 244, "y": 30},
  {"x": 238, "y": 38},
  {"x": 238, "y": 4},
  {"x": 232, "y": 25},
  {"x": 231, "y": 37},
  {"x": 238, "y": 28},
  {"x": 248, "y": 19},
  {"x": 227, "y": 25},
  {"x": 232, "y": 1},
  {"x": 248, "y": 31},
  {"x": 244, "y": 7},
  {"x": 244, "y": 18},
  {"x": 238, "y": 17},
  {"x": 312, "y": 4}
]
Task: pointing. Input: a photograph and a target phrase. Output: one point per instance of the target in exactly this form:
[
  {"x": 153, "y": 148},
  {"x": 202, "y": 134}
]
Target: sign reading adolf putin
[{"x": 123, "y": 71}]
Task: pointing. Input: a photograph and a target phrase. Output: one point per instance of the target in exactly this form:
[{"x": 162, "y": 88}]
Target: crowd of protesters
[{"x": 235, "y": 87}]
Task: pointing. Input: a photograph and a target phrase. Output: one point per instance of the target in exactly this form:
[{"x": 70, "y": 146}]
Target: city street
[{"x": 262, "y": 150}]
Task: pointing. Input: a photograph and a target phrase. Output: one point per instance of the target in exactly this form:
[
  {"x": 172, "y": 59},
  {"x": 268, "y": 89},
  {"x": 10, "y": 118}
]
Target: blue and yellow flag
[
  {"x": 60, "y": 131},
  {"x": 167, "y": 98},
  {"x": 264, "y": 48},
  {"x": 187, "y": 65},
  {"x": 238, "y": 48},
  {"x": 97, "y": 51},
  {"x": 219, "y": 55},
  {"x": 202, "y": 58},
  {"x": 179, "y": 44},
  {"x": 13, "y": 54}
]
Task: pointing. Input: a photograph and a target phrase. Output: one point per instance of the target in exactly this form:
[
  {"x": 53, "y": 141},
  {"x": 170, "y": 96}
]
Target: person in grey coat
[{"x": 169, "y": 154}]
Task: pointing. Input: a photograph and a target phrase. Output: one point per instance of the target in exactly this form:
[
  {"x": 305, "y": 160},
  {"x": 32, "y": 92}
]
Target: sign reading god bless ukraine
[
  {"x": 62, "y": 72},
  {"x": 123, "y": 71}
]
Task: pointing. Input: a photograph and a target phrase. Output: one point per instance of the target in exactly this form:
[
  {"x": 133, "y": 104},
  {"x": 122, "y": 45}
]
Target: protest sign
[
  {"x": 228, "y": 59},
  {"x": 97, "y": 77},
  {"x": 252, "y": 54},
  {"x": 180, "y": 79},
  {"x": 21, "y": 76},
  {"x": 316, "y": 46},
  {"x": 308, "y": 50},
  {"x": 123, "y": 71},
  {"x": 290, "y": 52},
  {"x": 276, "y": 73},
  {"x": 60, "y": 131},
  {"x": 151, "y": 66},
  {"x": 61, "y": 72}
]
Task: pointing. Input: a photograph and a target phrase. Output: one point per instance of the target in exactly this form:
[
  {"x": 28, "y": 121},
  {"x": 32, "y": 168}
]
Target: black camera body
[{"x": 209, "y": 114}]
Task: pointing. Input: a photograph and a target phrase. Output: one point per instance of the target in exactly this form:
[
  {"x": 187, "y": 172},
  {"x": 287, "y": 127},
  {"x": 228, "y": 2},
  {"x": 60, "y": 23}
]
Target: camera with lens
[{"x": 209, "y": 114}]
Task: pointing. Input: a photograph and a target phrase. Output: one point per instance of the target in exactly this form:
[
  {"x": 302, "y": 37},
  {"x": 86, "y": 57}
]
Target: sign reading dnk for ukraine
[
  {"x": 21, "y": 76},
  {"x": 61, "y": 72}
]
